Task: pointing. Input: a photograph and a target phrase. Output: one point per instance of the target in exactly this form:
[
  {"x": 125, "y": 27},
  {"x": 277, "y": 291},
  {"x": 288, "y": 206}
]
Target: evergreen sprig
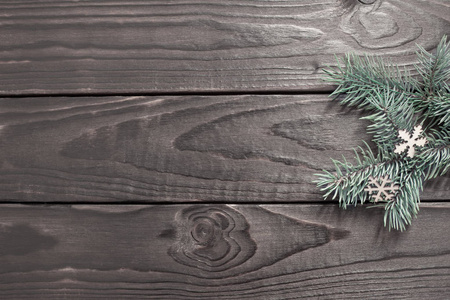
[{"x": 397, "y": 102}]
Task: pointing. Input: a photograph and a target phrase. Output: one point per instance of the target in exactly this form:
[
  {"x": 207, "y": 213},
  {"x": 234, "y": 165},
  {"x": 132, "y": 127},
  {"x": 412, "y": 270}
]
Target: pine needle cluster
[{"x": 397, "y": 102}]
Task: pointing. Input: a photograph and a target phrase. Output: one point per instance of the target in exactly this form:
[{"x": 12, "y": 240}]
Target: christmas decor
[
  {"x": 382, "y": 191},
  {"x": 410, "y": 127},
  {"x": 411, "y": 141}
]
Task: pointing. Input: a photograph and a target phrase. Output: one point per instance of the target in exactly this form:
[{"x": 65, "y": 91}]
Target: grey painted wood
[
  {"x": 229, "y": 148},
  {"x": 220, "y": 252},
  {"x": 86, "y": 47},
  {"x": 246, "y": 148}
]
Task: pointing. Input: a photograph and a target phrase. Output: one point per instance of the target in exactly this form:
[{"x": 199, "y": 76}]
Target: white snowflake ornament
[
  {"x": 411, "y": 140},
  {"x": 381, "y": 189}
]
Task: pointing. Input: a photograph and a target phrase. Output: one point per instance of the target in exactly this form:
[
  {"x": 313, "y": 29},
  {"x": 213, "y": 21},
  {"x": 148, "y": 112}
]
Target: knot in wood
[
  {"x": 212, "y": 238},
  {"x": 206, "y": 231}
]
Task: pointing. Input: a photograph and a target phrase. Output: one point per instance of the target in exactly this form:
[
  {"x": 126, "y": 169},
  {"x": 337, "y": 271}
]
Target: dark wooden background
[{"x": 165, "y": 150}]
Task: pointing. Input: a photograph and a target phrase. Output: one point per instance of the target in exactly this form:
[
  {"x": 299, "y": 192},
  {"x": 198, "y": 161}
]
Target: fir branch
[
  {"x": 396, "y": 100},
  {"x": 359, "y": 77},
  {"x": 400, "y": 211},
  {"x": 393, "y": 112},
  {"x": 348, "y": 182},
  {"x": 434, "y": 70},
  {"x": 438, "y": 110},
  {"x": 435, "y": 158}
]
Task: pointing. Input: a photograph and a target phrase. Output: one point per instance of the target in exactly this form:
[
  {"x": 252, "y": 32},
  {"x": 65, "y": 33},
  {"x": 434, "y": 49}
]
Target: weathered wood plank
[
  {"x": 81, "y": 47},
  {"x": 221, "y": 252},
  {"x": 228, "y": 148}
]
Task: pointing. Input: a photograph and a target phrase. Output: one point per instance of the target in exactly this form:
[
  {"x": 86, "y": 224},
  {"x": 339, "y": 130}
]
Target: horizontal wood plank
[
  {"x": 221, "y": 252},
  {"x": 249, "y": 148},
  {"x": 92, "y": 47}
]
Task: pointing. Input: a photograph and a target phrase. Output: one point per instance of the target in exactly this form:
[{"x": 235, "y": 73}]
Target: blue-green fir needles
[{"x": 401, "y": 107}]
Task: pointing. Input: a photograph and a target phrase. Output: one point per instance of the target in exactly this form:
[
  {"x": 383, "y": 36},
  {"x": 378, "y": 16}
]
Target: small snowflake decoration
[
  {"x": 381, "y": 189},
  {"x": 411, "y": 140}
]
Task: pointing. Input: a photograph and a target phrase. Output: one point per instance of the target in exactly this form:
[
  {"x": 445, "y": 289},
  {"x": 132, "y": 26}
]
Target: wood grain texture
[
  {"x": 91, "y": 47},
  {"x": 222, "y": 148},
  {"x": 220, "y": 252}
]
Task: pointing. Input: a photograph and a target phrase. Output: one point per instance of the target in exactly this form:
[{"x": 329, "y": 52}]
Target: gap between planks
[{"x": 324, "y": 91}]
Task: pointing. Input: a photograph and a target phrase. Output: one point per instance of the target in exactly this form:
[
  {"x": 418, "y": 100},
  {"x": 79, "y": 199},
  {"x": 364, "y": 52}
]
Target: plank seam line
[
  {"x": 173, "y": 93},
  {"x": 7, "y": 202}
]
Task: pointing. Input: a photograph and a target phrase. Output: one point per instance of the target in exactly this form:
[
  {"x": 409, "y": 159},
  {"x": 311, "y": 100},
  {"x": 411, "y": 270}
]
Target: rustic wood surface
[
  {"x": 220, "y": 252},
  {"x": 188, "y": 148},
  {"x": 199, "y": 126},
  {"x": 86, "y": 47}
]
